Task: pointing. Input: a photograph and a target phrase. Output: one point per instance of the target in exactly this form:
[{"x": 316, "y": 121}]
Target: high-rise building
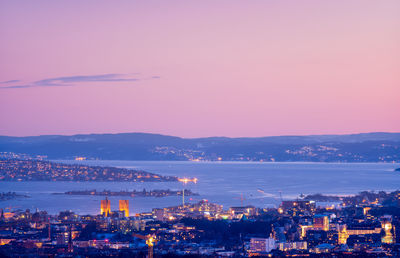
[
  {"x": 105, "y": 207},
  {"x": 124, "y": 206}
]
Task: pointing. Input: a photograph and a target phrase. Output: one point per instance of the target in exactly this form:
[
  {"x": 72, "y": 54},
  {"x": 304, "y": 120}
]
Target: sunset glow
[{"x": 199, "y": 68}]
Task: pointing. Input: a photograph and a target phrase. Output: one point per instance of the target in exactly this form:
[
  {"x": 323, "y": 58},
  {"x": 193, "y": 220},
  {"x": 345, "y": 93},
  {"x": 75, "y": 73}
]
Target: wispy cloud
[
  {"x": 16, "y": 87},
  {"x": 66, "y": 81},
  {"x": 10, "y": 81},
  {"x": 77, "y": 80}
]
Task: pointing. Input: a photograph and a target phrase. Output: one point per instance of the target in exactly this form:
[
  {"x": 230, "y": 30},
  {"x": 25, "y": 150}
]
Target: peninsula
[
  {"x": 37, "y": 170},
  {"x": 134, "y": 193}
]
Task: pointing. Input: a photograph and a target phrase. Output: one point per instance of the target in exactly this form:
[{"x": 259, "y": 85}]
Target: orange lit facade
[
  {"x": 105, "y": 207},
  {"x": 342, "y": 234},
  {"x": 386, "y": 222},
  {"x": 124, "y": 206},
  {"x": 321, "y": 222}
]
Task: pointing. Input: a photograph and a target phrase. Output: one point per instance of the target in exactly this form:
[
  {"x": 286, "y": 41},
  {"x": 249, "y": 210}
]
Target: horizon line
[{"x": 161, "y": 134}]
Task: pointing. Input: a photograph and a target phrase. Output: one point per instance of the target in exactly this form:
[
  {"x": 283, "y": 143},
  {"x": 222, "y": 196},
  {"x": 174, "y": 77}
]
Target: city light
[{"x": 186, "y": 180}]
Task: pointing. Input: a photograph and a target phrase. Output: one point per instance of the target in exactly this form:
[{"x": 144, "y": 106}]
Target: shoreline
[
  {"x": 144, "y": 193},
  {"x": 215, "y": 161}
]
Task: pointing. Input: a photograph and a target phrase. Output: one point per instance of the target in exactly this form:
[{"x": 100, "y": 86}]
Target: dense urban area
[
  {"x": 365, "y": 225},
  {"x": 317, "y": 225}
]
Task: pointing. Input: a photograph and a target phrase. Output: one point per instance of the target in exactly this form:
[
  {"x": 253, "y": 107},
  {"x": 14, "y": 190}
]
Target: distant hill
[{"x": 366, "y": 147}]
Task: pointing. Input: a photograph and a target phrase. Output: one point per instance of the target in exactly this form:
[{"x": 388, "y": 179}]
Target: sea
[{"x": 261, "y": 184}]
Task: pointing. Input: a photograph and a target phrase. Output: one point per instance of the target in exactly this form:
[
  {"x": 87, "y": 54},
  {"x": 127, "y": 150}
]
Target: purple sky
[{"x": 199, "y": 68}]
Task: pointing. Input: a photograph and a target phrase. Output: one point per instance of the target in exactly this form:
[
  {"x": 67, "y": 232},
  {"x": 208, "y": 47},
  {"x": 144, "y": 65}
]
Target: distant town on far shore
[{"x": 365, "y": 147}]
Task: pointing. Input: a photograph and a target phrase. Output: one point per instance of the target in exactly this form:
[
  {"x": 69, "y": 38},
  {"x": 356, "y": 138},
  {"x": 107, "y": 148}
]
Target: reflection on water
[{"x": 221, "y": 182}]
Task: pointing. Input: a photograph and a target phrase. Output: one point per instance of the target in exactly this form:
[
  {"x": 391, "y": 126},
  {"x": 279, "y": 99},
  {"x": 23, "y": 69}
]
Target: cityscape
[
  {"x": 199, "y": 129},
  {"x": 367, "y": 226}
]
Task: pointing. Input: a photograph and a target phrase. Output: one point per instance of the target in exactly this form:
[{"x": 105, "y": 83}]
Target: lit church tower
[
  {"x": 124, "y": 206},
  {"x": 105, "y": 207},
  {"x": 386, "y": 222}
]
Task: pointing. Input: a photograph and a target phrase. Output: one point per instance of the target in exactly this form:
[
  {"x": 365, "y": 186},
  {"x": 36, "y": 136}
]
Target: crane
[
  {"x": 280, "y": 195},
  {"x": 150, "y": 240},
  {"x": 241, "y": 198}
]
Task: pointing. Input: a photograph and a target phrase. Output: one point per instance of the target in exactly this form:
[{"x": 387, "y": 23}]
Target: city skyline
[
  {"x": 199, "y": 69},
  {"x": 199, "y": 128}
]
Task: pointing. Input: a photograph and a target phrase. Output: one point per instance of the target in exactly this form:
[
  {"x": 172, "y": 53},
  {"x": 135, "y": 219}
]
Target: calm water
[{"x": 221, "y": 182}]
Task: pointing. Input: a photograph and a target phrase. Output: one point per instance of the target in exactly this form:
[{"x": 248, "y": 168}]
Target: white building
[
  {"x": 302, "y": 245},
  {"x": 262, "y": 245}
]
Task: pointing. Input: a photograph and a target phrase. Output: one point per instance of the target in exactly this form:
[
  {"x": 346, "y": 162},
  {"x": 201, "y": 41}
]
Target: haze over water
[{"x": 220, "y": 182}]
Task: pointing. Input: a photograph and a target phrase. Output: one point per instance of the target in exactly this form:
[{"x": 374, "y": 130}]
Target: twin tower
[{"x": 105, "y": 207}]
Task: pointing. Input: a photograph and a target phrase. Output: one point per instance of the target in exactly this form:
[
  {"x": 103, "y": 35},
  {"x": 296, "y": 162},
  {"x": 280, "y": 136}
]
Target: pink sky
[{"x": 199, "y": 68}]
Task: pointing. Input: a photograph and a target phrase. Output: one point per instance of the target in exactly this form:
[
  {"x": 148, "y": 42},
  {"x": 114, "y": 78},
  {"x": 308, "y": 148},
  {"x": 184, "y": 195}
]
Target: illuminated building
[
  {"x": 342, "y": 234},
  {"x": 6, "y": 241},
  {"x": 99, "y": 243},
  {"x": 365, "y": 210},
  {"x": 62, "y": 238},
  {"x": 355, "y": 230},
  {"x": 386, "y": 222},
  {"x": 105, "y": 207},
  {"x": 206, "y": 207},
  {"x": 292, "y": 246},
  {"x": 124, "y": 206},
  {"x": 202, "y": 208},
  {"x": 303, "y": 230},
  {"x": 296, "y": 207},
  {"x": 262, "y": 244},
  {"x": 321, "y": 222},
  {"x": 238, "y": 212}
]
